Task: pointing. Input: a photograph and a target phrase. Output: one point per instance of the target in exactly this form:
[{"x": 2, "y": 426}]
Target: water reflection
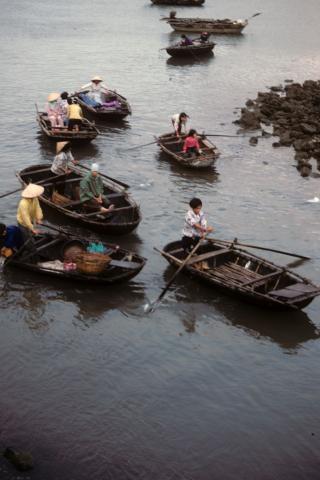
[{"x": 288, "y": 329}]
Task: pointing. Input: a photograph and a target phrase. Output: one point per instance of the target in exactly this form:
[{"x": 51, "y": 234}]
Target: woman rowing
[{"x": 179, "y": 122}]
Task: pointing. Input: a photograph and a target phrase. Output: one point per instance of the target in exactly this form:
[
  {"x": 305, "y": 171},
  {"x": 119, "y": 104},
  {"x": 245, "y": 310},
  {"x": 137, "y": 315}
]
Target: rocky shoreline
[{"x": 293, "y": 111}]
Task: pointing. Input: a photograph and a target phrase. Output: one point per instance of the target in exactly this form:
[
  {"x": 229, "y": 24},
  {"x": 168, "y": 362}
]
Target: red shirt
[{"x": 190, "y": 142}]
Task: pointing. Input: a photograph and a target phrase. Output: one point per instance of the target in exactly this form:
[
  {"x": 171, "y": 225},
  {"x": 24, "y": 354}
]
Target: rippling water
[{"x": 206, "y": 387}]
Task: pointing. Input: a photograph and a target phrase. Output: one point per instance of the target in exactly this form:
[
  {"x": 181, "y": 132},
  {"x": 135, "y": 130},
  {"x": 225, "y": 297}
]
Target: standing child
[{"x": 195, "y": 226}]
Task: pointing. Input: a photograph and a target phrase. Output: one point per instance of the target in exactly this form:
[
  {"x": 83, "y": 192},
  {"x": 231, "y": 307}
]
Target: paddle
[
  {"x": 235, "y": 242},
  {"x": 140, "y": 146},
  {"x": 148, "y": 308},
  {"x": 106, "y": 176},
  {"x": 10, "y": 193}
]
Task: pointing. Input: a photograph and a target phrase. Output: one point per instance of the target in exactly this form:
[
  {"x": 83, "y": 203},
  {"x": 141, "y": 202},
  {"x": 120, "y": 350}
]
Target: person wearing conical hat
[
  {"x": 29, "y": 213},
  {"x": 53, "y": 110},
  {"x": 63, "y": 159},
  {"x": 94, "y": 91}
]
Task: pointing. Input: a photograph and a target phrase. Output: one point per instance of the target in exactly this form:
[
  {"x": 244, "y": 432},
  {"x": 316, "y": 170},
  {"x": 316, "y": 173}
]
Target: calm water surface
[{"x": 206, "y": 387}]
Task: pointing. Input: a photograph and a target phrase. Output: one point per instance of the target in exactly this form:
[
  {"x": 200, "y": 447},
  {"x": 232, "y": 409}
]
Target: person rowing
[
  {"x": 91, "y": 192},
  {"x": 179, "y": 123}
]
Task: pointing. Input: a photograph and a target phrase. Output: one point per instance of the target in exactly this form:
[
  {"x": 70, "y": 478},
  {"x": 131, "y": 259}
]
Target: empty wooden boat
[
  {"x": 238, "y": 272},
  {"x": 210, "y": 25},
  {"x": 172, "y": 146},
  {"x": 113, "y": 106},
  {"x": 48, "y": 259},
  {"x": 87, "y": 131},
  {"x": 123, "y": 219}
]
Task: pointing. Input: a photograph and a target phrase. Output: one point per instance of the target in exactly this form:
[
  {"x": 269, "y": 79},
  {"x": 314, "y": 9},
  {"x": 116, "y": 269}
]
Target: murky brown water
[{"x": 206, "y": 387}]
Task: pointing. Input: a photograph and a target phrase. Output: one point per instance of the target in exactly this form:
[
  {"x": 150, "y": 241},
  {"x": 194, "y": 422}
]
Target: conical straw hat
[
  {"x": 96, "y": 79},
  {"x": 60, "y": 146},
  {"x": 53, "y": 96},
  {"x": 32, "y": 191}
]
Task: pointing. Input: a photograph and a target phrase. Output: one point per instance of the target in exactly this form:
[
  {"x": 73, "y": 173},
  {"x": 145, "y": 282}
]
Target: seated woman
[
  {"x": 91, "y": 93},
  {"x": 54, "y": 111},
  {"x": 191, "y": 144},
  {"x": 10, "y": 239},
  {"x": 91, "y": 192},
  {"x": 74, "y": 114},
  {"x": 185, "y": 41}
]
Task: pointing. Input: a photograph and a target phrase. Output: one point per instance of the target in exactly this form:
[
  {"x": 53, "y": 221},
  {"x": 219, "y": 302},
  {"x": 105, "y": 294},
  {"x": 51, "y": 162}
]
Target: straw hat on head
[
  {"x": 60, "y": 146},
  {"x": 32, "y": 191},
  {"x": 96, "y": 79},
  {"x": 53, "y": 96}
]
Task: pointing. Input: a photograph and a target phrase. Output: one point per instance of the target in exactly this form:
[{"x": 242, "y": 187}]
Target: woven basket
[
  {"x": 92, "y": 262},
  {"x": 59, "y": 199}
]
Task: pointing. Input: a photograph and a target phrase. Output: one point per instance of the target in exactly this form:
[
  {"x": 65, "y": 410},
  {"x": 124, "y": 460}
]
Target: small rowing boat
[
  {"x": 86, "y": 133},
  {"x": 209, "y": 25},
  {"x": 113, "y": 106},
  {"x": 172, "y": 146},
  {"x": 238, "y": 272},
  {"x": 193, "y": 51},
  {"x": 47, "y": 258},
  {"x": 123, "y": 219}
]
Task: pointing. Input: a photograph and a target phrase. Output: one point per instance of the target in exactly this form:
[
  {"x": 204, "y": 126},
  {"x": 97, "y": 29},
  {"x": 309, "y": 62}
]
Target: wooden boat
[
  {"x": 209, "y": 25},
  {"x": 123, "y": 266},
  {"x": 87, "y": 132},
  {"x": 124, "y": 218},
  {"x": 238, "y": 272},
  {"x": 173, "y": 147},
  {"x": 193, "y": 51},
  {"x": 187, "y": 3},
  {"x": 107, "y": 113}
]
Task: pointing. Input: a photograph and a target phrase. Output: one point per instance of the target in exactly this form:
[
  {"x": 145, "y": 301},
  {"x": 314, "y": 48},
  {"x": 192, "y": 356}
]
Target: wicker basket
[
  {"x": 59, "y": 199},
  {"x": 92, "y": 263}
]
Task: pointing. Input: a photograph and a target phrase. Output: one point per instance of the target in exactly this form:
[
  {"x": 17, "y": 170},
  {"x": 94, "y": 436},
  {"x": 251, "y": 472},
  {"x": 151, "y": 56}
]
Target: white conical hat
[
  {"x": 96, "y": 79},
  {"x": 60, "y": 146},
  {"x": 32, "y": 191}
]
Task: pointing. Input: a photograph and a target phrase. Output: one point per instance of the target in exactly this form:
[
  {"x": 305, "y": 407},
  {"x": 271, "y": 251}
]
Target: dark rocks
[
  {"x": 294, "y": 113},
  {"x": 253, "y": 141},
  {"x": 23, "y": 461}
]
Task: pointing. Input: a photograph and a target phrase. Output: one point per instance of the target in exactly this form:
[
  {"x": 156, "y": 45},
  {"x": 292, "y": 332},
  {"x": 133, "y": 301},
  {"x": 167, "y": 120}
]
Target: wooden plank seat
[
  {"x": 207, "y": 256},
  {"x": 263, "y": 278},
  {"x": 295, "y": 290}
]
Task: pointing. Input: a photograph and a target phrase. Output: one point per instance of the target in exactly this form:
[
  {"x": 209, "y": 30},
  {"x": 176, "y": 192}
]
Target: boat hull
[
  {"x": 210, "y": 26},
  {"x": 108, "y": 114},
  {"x": 64, "y": 135},
  {"x": 190, "y": 51},
  {"x": 234, "y": 280}
]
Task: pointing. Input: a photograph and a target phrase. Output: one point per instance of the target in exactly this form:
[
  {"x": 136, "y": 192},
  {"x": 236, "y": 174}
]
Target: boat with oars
[
  {"x": 61, "y": 194},
  {"x": 86, "y": 133},
  {"x": 210, "y": 25},
  {"x": 172, "y": 146},
  {"x": 70, "y": 258},
  {"x": 113, "y": 106},
  {"x": 192, "y": 51},
  {"x": 235, "y": 271},
  {"x": 186, "y": 3}
]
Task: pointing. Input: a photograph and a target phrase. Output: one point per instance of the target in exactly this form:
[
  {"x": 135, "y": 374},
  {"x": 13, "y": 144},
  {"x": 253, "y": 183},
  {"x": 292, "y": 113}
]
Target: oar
[
  {"x": 254, "y": 15},
  {"x": 235, "y": 242},
  {"x": 10, "y": 193},
  {"x": 140, "y": 146},
  {"x": 125, "y": 185},
  {"x": 151, "y": 307}
]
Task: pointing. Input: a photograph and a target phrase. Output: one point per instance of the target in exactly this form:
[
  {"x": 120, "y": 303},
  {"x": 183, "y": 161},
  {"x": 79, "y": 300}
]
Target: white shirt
[
  {"x": 190, "y": 220},
  {"x": 95, "y": 90},
  {"x": 175, "y": 121},
  {"x": 61, "y": 162}
]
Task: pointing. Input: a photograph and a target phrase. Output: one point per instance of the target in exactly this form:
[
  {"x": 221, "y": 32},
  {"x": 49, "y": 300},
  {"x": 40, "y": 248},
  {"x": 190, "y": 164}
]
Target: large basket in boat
[{"x": 92, "y": 263}]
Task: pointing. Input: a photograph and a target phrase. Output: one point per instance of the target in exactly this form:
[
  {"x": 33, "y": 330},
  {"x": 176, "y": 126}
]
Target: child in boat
[
  {"x": 191, "y": 144},
  {"x": 185, "y": 41},
  {"x": 195, "y": 225},
  {"x": 74, "y": 114},
  {"x": 53, "y": 111}
]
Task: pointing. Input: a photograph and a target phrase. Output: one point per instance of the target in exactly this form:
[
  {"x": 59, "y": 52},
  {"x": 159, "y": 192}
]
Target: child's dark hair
[
  {"x": 70, "y": 101},
  {"x": 191, "y": 132},
  {"x": 64, "y": 95},
  {"x": 195, "y": 203},
  {"x": 2, "y": 228}
]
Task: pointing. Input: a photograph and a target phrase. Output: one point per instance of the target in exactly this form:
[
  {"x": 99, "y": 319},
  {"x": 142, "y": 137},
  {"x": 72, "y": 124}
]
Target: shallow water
[{"x": 206, "y": 387}]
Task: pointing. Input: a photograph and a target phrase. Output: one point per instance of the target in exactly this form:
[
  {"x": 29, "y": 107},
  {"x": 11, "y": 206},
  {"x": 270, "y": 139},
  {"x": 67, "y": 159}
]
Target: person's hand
[
  {"x": 111, "y": 207},
  {"x": 209, "y": 229},
  {"x": 98, "y": 199},
  {"x": 75, "y": 162},
  {"x": 39, "y": 222},
  {"x": 35, "y": 231}
]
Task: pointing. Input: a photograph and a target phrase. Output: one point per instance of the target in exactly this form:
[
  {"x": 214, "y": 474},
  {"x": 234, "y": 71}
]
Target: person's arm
[
  {"x": 23, "y": 214},
  {"x": 85, "y": 190},
  {"x": 39, "y": 214},
  {"x": 185, "y": 145}
]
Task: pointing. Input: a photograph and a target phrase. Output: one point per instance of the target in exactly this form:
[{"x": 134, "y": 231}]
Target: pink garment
[
  {"x": 190, "y": 142},
  {"x": 54, "y": 113}
]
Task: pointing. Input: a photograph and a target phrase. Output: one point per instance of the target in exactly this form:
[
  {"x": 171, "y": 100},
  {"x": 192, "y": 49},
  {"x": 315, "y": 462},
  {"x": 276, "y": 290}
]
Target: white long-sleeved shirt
[
  {"x": 190, "y": 220},
  {"x": 175, "y": 122}
]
